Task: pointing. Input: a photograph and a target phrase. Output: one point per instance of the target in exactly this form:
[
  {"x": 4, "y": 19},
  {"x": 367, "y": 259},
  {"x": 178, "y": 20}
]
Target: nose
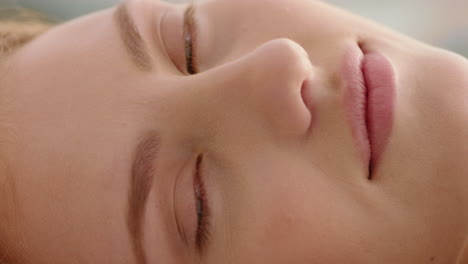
[{"x": 264, "y": 86}]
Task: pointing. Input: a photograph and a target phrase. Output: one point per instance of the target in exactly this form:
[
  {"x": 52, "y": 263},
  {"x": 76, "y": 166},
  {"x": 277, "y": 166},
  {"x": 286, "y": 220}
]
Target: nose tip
[
  {"x": 289, "y": 74},
  {"x": 293, "y": 56}
]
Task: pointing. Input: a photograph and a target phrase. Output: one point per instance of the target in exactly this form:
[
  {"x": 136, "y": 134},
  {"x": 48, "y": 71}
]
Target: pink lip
[{"x": 369, "y": 101}]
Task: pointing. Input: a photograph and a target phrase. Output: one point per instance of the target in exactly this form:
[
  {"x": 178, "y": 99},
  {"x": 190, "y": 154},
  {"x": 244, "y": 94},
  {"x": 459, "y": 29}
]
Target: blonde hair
[{"x": 18, "y": 26}]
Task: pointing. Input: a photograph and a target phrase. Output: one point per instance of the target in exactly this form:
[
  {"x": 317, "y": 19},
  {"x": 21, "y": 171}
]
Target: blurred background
[{"x": 443, "y": 23}]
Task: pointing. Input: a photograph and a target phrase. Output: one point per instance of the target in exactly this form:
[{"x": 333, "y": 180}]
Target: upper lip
[
  {"x": 365, "y": 91},
  {"x": 355, "y": 99},
  {"x": 366, "y": 101},
  {"x": 365, "y": 86}
]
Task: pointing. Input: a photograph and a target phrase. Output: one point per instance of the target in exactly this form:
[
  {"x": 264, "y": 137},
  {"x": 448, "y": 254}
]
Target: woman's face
[{"x": 229, "y": 165}]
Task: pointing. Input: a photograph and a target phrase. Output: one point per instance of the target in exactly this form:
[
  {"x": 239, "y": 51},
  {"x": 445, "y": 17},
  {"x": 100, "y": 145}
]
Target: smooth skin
[{"x": 73, "y": 108}]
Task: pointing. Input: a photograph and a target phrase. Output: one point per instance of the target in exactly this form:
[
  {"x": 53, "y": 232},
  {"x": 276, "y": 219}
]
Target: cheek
[
  {"x": 290, "y": 218},
  {"x": 294, "y": 216},
  {"x": 299, "y": 225}
]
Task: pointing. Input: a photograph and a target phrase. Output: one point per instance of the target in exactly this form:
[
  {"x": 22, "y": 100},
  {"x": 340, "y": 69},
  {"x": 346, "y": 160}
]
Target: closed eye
[
  {"x": 190, "y": 37},
  {"x": 202, "y": 209}
]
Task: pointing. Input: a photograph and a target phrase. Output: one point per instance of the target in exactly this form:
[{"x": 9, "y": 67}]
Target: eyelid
[
  {"x": 184, "y": 205},
  {"x": 180, "y": 228},
  {"x": 172, "y": 37}
]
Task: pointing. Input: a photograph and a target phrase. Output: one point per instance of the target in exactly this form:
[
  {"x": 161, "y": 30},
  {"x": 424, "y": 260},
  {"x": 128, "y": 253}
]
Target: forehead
[{"x": 49, "y": 112}]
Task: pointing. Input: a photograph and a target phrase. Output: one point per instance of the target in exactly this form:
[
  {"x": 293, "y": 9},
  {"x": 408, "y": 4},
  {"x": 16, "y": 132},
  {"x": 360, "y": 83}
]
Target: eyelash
[
  {"x": 203, "y": 211},
  {"x": 189, "y": 37}
]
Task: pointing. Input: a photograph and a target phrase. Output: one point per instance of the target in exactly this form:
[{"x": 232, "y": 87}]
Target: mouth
[{"x": 369, "y": 101}]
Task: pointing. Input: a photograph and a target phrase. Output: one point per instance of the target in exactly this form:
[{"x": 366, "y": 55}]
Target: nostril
[
  {"x": 306, "y": 93},
  {"x": 307, "y": 97}
]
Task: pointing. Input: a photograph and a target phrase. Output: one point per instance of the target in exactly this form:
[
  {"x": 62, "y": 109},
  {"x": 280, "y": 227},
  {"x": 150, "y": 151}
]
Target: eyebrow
[
  {"x": 141, "y": 179},
  {"x": 131, "y": 38}
]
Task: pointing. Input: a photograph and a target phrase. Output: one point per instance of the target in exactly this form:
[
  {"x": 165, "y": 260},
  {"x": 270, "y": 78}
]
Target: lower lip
[{"x": 369, "y": 101}]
